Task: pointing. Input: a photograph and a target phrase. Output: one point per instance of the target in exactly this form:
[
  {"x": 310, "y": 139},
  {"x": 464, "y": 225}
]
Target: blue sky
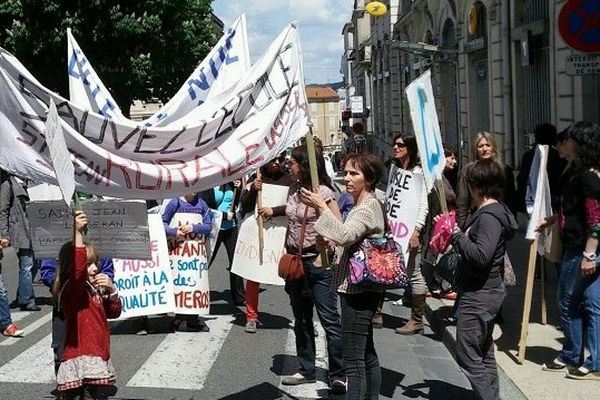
[{"x": 320, "y": 22}]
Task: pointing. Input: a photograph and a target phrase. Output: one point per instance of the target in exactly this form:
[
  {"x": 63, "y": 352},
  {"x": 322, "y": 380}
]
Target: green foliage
[{"x": 140, "y": 49}]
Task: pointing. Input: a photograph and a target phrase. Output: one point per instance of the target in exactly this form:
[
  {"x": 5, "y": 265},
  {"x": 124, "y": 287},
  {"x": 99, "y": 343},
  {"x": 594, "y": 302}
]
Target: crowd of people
[{"x": 325, "y": 227}]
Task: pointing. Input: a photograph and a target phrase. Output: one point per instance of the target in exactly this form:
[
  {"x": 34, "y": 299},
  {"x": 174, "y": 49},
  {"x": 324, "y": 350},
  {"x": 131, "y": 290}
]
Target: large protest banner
[
  {"x": 189, "y": 266},
  {"x": 146, "y": 286},
  {"x": 219, "y": 141},
  {"x": 427, "y": 128},
  {"x": 403, "y": 197},
  {"x": 246, "y": 262},
  {"x": 118, "y": 228},
  {"x": 220, "y": 70}
]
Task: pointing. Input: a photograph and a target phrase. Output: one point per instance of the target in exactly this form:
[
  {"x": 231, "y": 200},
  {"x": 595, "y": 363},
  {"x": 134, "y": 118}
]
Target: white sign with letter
[
  {"x": 427, "y": 128},
  {"x": 403, "y": 198},
  {"x": 146, "y": 286},
  {"x": 189, "y": 266},
  {"x": 246, "y": 262},
  {"x": 537, "y": 199}
]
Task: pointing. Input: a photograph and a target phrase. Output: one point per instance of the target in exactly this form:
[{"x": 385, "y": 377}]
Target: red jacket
[{"x": 86, "y": 314}]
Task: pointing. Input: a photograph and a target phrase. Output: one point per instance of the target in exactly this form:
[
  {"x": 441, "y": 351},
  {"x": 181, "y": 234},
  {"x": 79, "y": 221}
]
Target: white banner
[
  {"x": 189, "y": 266},
  {"x": 117, "y": 228},
  {"x": 245, "y": 261},
  {"x": 538, "y": 200},
  {"x": 220, "y": 70},
  {"x": 427, "y": 128},
  {"x": 403, "y": 197},
  {"x": 59, "y": 155},
  {"x": 146, "y": 286},
  {"x": 223, "y": 139}
]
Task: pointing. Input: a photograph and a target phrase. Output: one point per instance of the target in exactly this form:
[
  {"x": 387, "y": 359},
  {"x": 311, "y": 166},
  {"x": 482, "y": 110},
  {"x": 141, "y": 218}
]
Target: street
[{"x": 225, "y": 363}]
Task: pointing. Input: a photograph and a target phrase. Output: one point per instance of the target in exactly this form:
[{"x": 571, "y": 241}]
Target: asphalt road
[{"x": 225, "y": 363}]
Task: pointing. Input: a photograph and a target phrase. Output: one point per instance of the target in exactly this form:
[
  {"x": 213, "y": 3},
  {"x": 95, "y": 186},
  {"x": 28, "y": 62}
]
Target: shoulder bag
[
  {"x": 378, "y": 262},
  {"x": 290, "y": 266}
]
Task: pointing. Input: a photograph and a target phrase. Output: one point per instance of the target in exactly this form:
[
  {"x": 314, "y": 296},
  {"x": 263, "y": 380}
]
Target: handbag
[
  {"x": 378, "y": 263},
  {"x": 447, "y": 266},
  {"x": 290, "y": 266}
]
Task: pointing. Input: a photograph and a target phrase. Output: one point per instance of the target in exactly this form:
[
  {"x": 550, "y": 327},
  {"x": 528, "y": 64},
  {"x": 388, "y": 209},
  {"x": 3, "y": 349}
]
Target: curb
[{"x": 435, "y": 311}]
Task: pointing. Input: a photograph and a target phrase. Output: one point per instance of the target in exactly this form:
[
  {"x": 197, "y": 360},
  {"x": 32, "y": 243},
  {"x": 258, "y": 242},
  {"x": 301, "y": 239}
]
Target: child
[
  {"x": 87, "y": 298},
  {"x": 190, "y": 203}
]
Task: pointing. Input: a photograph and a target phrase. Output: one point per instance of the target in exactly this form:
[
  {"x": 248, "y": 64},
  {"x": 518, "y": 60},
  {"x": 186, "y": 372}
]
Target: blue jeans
[
  {"x": 314, "y": 291},
  {"x": 25, "y": 294},
  {"x": 579, "y": 296},
  {"x": 5, "y": 319}
]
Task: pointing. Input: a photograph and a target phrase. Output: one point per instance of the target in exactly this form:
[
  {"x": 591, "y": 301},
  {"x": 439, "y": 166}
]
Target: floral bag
[{"x": 378, "y": 263}]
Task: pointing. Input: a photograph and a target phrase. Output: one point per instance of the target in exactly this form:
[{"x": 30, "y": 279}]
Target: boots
[{"x": 415, "y": 324}]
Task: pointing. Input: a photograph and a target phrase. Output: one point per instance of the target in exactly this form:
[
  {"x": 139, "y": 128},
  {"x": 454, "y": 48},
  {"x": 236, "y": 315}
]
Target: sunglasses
[{"x": 400, "y": 145}]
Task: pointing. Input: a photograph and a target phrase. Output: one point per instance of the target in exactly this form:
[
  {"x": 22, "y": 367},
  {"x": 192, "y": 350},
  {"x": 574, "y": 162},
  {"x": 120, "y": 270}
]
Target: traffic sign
[
  {"x": 582, "y": 64},
  {"x": 579, "y": 25}
]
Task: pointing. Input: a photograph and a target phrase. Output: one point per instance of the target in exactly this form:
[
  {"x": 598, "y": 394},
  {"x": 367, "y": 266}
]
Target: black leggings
[{"x": 229, "y": 239}]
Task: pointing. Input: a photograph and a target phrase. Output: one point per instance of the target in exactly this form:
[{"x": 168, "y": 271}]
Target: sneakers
[
  {"x": 296, "y": 379},
  {"x": 338, "y": 387},
  {"x": 583, "y": 373},
  {"x": 24, "y": 307},
  {"x": 554, "y": 366},
  {"x": 251, "y": 326},
  {"x": 13, "y": 330}
]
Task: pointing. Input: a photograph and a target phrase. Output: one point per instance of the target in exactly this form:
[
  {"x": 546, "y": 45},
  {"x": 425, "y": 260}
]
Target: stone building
[
  {"x": 325, "y": 114},
  {"x": 497, "y": 65}
]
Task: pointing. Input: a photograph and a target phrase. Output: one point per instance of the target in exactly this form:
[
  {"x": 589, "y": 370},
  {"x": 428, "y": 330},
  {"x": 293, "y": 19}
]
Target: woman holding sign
[
  {"x": 359, "y": 303},
  {"x": 314, "y": 290},
  {"x": 406, "y": 156}
]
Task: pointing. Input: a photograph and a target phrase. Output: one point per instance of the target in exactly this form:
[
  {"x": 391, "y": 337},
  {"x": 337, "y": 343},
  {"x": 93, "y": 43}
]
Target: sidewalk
[{"x": 526, "y": 381}]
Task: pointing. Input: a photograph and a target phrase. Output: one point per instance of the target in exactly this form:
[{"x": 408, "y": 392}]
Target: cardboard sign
[
  {"x": 146, "y": 286},
  {"x": 189, "y": 267},
  {"x": 118, "y": 228},
  {"x": 59, "y": 154},
  {"x": 427, "y": 128},
  {"x": 245, "y": 261},
  {"x": 403, "y": 197}
]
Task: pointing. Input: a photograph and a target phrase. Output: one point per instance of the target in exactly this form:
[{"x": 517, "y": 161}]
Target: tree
[{"x": 140, "y": 49}]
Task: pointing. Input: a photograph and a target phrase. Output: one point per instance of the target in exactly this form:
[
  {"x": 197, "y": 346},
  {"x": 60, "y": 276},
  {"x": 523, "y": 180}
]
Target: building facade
[
  {"x": 497, "y": 65},
  {"x": 325, "y": 114}
]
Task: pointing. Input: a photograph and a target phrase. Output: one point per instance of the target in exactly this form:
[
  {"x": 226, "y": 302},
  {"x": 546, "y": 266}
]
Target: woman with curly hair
[{"x": 579, "y": 281}]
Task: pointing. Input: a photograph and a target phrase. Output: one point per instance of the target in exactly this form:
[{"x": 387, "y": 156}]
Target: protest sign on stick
[
  {"x": 117, "y": 228},
  {"x": 189, "y": 266},
  {"x": 260, "y": 222},
  {"x": 146, "y": 286},
  {"x": 427, "y": 132},
  {"x": 246, "y": 259},
  {"x": 403, "y": 198}
]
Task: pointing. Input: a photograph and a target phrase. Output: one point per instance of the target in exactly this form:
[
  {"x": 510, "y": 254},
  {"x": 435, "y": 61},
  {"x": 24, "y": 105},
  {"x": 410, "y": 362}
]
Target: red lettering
[
  {"x": 122, "y": 167},
  {"x": 138, "y": 178}
]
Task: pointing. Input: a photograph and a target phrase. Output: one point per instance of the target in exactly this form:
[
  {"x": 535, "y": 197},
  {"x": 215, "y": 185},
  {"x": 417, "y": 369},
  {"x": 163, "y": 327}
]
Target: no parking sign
[{"x": 579, "y": 25}]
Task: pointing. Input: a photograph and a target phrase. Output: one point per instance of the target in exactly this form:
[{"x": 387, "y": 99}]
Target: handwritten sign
[
  {"x": 59, "y": 154},
  {"x": 118, "y": 228},
  {"x": 146, "y": 286},
  {"x": 403, "y": 197},
  {"x": 189, "y": 267},
  {"x": 537, "y": 199},
  {"x": 427, "y": 128},
  {"x": 245, "y": 260}
]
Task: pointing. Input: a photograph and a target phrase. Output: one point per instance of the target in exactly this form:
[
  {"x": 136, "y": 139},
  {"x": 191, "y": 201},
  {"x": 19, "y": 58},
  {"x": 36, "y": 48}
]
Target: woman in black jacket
[{"x": 481, "y": 247}]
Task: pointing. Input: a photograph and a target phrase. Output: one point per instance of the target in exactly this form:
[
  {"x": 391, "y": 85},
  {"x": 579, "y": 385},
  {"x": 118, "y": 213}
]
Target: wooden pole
[
  {"x": 439, "y": 185},
  {"x": 260, "y": 221},
  {"x": 314, "y": 179},
  {"x": 527, "y": 301},
  {"x": 544, "y": 307}
]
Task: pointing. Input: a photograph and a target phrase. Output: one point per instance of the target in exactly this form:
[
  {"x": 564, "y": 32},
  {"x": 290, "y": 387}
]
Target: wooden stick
[
  {"x": 544, "y": 307},
  {"x": 439, "y": 185},
  {"x": 261, "y": 226},
  {"x": 527, "y": 301},
  {"x": 314, "y": 180}
]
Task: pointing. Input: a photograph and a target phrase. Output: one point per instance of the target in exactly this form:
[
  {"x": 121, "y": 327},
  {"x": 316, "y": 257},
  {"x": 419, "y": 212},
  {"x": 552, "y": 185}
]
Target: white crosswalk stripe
[
  {"x": 309, "y": 390},
  {"x": 34, "y": 365},
  {"x": 29, "y": 329},
  {"x": 182, "y": 361}
]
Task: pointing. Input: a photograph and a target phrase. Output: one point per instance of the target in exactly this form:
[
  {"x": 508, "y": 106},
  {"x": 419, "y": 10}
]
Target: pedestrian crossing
[{"x": 177, "y": 361}]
